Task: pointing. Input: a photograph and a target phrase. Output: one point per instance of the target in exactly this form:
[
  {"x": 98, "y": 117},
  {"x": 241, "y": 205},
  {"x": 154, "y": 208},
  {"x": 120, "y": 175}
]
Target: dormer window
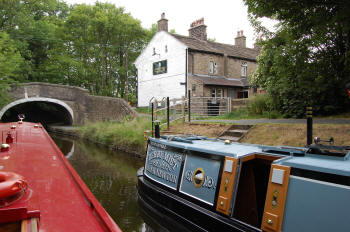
[
  {"x": 244, "y": 69},
  {"x": 213, "y": 67}
]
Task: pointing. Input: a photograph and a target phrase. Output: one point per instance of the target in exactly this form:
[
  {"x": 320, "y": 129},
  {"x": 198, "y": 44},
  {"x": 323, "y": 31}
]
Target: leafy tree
[
  {"x": 91, "y": 46},
  {"x": 306, "y": 61},
  {"x": 104, "y": 40},
  {"x": 152, "y": 31},
  {"x": 11, "y": 63}
]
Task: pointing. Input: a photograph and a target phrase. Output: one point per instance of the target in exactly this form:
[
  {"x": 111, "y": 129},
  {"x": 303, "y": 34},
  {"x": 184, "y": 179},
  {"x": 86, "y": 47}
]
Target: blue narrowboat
[{"x": 201, "y": 184}]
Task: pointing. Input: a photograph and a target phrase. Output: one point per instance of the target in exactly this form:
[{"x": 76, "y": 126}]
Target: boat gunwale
[{"x": 103, "y": 216}]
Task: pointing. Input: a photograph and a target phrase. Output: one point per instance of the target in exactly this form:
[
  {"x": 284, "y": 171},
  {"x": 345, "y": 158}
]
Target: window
[
  {"x": 213, "y": 67},
  {"x": 193, "y": 87},
  {"x": 166, "y": 48},
  {"x": 160, "y": 67},
  {"x": 219, "y": 93},
  {"x": 244, "y": 69},
  {"x": 154, "y": 51}
]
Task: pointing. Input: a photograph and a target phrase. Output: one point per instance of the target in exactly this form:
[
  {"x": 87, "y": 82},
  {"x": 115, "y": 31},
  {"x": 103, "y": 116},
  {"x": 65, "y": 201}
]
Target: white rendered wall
[{"x": 166, "y": 84}]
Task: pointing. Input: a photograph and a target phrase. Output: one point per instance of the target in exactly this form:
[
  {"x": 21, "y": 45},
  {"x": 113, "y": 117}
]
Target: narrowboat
[
  {"x": 200, "y": 184},
  {"x": 40, "y": 190}
]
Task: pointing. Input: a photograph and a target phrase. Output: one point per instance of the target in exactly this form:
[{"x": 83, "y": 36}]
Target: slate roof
[
  {"x": 219, "y": 48},
  {"x": 220, "y": 80}
]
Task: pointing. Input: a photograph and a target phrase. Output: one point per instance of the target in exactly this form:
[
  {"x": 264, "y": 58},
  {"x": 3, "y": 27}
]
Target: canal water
[{"x": 111, "y": 177}]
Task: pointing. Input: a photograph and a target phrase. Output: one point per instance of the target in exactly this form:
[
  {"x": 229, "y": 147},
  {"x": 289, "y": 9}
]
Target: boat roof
[
  {"x": 54, "y": 188},
  {"x": 297, "y": 157}
]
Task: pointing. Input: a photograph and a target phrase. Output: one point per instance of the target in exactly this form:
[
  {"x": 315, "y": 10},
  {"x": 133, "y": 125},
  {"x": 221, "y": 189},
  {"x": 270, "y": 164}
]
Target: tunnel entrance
[{"x": 39, "y": 111}]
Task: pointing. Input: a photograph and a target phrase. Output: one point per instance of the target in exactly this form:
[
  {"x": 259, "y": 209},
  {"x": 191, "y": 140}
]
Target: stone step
[
  {"x": 231, "y": 138},
  {"x": 235, "y": 133},
  {"x": 240, "y": 127}
]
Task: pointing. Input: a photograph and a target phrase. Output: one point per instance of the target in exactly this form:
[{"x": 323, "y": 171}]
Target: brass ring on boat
[{"x": 198, "y": 180}]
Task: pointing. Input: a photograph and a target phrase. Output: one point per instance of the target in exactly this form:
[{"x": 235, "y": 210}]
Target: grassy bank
[
  {"x": 295, "y": 134},
  {"x": 126, "y": 135}
]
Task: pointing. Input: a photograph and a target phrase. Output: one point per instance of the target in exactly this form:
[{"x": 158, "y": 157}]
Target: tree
[
  {"x": 91, "y": 46},
  {"x": 11, "y": 63},
  {"x": 102, "y": 42},
  {"x": 306, "y": 61}
]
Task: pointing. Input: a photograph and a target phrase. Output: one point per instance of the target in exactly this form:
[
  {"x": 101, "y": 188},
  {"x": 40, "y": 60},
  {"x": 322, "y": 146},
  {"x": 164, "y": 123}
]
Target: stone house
[{"x": 172, "y": 64}]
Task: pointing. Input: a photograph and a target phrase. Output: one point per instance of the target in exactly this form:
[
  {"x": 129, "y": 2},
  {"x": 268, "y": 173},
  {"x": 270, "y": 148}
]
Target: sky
[{"x": 222, "y": 17}]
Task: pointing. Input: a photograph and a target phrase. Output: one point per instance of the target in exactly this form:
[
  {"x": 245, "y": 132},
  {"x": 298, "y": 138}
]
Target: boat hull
[{"x": 178, "y": 214}]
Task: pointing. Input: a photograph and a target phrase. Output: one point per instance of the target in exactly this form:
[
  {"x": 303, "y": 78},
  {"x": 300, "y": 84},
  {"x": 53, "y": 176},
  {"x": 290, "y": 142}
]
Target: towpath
[{"x": 290, "y": 121}]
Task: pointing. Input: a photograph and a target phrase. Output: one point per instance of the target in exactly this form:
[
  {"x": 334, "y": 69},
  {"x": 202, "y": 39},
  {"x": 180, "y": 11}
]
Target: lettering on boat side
[
  {"x": 199, "y": 179},
  {"x": 163, "y": 165}
]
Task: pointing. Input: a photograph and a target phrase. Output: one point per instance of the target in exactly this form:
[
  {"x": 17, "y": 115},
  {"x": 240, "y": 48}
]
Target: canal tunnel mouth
[{"x": 46, "y": 113}]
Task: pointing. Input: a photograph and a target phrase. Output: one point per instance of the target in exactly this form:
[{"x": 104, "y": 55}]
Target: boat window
[{"x": 252, "y": 187}]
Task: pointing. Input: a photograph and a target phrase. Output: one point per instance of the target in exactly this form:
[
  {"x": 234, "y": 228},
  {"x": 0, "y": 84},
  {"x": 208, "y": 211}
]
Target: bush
[{"x": 260, "y": 104}]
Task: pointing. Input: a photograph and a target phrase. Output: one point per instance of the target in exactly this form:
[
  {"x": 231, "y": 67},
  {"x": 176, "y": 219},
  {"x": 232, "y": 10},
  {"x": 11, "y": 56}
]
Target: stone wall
[
  {"x": 234, "y": 67},
  {"x": 201, "y": 61},
  {"x": 198, "y": 63},
  {"x": 199, "y": 87},
  {"x": 86, "y": 108}
]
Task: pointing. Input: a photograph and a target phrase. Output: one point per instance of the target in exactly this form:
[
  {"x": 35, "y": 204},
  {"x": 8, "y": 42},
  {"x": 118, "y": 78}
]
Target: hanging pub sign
[{"x": 159, "y": 67}]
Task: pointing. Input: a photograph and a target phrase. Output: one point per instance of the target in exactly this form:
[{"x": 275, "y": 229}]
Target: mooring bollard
[
  {"x": 309, "y": 125},
  {"x": 156, "y": 129}
]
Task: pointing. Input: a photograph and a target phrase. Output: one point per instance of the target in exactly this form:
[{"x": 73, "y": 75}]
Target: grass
[
  {"x": 127, "y": 135},
  {"x": 242, "y": 113},
  {"x": 143, "y": 110},
  {"x": 295, "y": 134}
]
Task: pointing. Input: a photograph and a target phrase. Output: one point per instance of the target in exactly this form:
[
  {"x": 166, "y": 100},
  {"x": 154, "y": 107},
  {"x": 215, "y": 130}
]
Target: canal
[{"x": 111, "y": 177}]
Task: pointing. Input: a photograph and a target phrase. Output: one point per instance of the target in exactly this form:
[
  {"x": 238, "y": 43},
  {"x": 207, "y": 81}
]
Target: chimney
[
  {"x": 163, "y": 23},
  {"x": 198, "y": 30},
  {"x": 240, "y": 40}
]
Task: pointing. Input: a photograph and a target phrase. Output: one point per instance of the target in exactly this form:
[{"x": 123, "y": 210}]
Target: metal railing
[
  {"x": 209, "y": 106},
  {"x": 168, "y": 110}
]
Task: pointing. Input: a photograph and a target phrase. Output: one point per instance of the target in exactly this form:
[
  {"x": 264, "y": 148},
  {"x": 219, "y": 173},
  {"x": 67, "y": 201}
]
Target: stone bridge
[{"x": 74, "y": 104}]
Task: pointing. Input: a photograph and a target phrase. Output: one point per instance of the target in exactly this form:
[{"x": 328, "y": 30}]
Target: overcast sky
[{"x": 222, "y": 17}]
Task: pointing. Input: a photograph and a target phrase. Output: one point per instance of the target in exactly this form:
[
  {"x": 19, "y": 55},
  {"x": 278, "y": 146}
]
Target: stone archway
[{"x": 38, "y": 99}]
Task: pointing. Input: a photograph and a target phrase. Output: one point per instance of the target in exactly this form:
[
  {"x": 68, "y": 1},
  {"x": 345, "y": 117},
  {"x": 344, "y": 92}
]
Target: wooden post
[
  {"x": 189, "y": 106},
  {"x": 155, "y": 108},
  {"x": 167, "y": 112},
  {"x": 183, "y": 109},
  {"x": 152, "y": 117}
]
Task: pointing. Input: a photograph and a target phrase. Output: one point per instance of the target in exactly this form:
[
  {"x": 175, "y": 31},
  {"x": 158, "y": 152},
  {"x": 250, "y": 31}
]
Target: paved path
[{"x": 260, "y": 121}]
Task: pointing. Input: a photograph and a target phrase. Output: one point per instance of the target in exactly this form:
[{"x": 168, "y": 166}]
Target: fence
[
  {"x": 166, "y": 110},
  {"x": 208, "y": 107},
  {"x": 187, "y": 109}
]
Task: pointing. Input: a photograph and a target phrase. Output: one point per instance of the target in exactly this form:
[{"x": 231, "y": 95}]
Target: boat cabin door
[{"x": 253, "y": 190}]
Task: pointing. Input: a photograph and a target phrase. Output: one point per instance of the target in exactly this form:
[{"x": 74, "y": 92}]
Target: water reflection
[{"x": 111, "y": 177}]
